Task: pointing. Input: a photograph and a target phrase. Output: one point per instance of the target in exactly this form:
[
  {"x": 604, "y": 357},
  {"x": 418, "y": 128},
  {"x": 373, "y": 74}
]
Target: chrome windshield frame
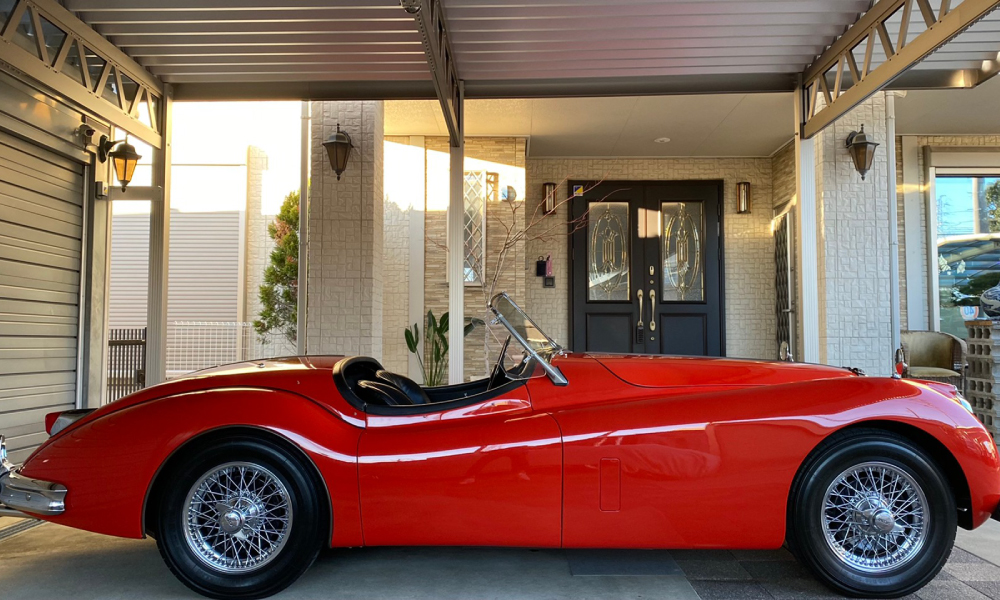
[{"x": 553, "y": 372}]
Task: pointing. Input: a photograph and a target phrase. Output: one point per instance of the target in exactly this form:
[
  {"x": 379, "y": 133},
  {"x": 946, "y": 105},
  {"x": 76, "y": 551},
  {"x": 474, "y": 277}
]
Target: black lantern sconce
[
  {"x": 338, "y": 148},
  {"x": 862, "y": 151},
  {"x": 549, "y": 195},
  {"x": 743, "y": 200},
  {"x": 124, "y": 158}
]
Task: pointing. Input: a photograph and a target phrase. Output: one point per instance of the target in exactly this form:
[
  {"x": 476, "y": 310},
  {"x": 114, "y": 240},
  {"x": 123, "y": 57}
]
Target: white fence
[{"x": 194, "y": 345}]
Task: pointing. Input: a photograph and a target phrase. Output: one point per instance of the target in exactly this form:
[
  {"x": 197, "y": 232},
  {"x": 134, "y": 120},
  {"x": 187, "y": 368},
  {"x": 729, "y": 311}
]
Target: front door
[{"x": 647, "y": 267}]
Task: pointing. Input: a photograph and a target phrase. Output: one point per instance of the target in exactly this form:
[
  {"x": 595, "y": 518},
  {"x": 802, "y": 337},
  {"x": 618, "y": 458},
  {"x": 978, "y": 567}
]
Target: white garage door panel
[{"x": 41, "y": 230}]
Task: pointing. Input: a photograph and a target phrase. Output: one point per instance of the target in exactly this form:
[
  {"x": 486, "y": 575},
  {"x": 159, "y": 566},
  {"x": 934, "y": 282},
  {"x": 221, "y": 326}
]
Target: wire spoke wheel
[
  {"x": 238, "y": 517},
  {"x": 875, "y": 517}
]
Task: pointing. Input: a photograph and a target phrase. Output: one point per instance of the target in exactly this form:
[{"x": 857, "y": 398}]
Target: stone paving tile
[
  {"x": 981, "y": 571},
  {"x": 713, "y": 570},
  {"x": 702, "y": 555},
  {"x": 771, "y": 570},
  {"x": 989, "y": 588},
  {"x": 730, "y": 590},
  {"x": 962, "y": 556},
  {"x": 799, "y": 589},
  {"x": 949, "y": 590},
  {"x": 748, "y": 555}
]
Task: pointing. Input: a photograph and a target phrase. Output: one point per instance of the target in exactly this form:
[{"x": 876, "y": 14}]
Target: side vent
[{"x": 611, "y": 484}]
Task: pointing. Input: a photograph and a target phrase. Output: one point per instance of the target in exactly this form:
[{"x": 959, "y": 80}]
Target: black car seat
[
  {"x": 410, "y": 388},
  {"x": 382, "y": 394}
]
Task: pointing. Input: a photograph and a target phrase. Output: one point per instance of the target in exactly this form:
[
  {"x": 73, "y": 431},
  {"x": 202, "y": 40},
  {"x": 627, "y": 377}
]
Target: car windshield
[{"x": 526, "y": 333}]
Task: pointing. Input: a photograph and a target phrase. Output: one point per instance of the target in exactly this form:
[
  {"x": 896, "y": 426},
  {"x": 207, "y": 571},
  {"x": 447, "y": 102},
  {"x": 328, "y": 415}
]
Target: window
[
  {"x": 476, "y": 191},
  {"x": 968, "y": 245}
]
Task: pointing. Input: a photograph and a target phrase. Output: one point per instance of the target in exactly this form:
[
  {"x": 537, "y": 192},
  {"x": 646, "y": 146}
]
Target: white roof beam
[
  {"x": 430, "y": 20},
  {"x": 897, "y": 59}
]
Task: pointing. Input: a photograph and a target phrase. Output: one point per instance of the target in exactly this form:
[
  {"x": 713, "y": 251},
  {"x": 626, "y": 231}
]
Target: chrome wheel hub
[
  {"x": 875, "y": 517},
  {"x": 238, "y": 517}
]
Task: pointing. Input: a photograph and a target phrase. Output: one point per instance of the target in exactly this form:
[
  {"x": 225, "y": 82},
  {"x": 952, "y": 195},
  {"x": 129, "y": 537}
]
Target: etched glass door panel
[
  {"x": 683, "y": 252},
  {"x": 608, "y": 258}
]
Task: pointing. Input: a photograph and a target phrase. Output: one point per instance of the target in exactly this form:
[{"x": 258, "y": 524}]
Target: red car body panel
[{"x": 636, "y": 452}]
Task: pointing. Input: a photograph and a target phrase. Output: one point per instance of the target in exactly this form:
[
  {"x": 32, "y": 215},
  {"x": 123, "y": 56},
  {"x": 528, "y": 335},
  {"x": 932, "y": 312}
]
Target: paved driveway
[{"x": 50, "y": 561}]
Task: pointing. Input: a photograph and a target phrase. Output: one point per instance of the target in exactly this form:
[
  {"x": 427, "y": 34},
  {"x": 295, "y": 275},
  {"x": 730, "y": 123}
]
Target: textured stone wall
[
  {"x": 853, "y": 218},
  {"x": 783, "y": 177},
  {"x": 258, "y": 243},
  {"x": 396, "y": 271},
  {"x": 901, "y": 232},
  {"x": 503, "y": 155},
  {"x": 346, "y": 234},
  {"x": 749, "y": 244},
  {"x": 783, "y": 174}
]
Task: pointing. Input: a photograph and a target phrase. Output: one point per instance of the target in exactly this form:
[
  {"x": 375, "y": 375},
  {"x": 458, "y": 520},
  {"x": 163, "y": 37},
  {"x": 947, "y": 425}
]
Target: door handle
[
  {"x": 639, "y": 294},
  {"x": 652, "y": 310}
]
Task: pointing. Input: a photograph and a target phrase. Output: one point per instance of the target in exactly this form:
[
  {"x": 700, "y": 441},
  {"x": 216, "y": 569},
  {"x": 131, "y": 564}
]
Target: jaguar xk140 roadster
[{"x": 242, "y": 473}]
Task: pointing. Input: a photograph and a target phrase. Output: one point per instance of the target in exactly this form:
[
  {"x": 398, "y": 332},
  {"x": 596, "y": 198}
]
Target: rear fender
[{"x": 109, "y": 463}]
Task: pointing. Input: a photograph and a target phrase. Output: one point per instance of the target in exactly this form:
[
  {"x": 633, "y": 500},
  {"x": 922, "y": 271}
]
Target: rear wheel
[
  {"x": 240, "y": 520},
  {"x": 872, "y": 515}
]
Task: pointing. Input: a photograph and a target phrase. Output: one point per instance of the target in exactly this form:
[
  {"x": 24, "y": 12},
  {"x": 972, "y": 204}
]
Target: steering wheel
[{"x": 499, "y": 376}]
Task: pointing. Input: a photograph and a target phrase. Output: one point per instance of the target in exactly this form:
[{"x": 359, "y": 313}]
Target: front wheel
[
  {"x": 239, "y": 520},
  {"x": 872, "y": 515}
]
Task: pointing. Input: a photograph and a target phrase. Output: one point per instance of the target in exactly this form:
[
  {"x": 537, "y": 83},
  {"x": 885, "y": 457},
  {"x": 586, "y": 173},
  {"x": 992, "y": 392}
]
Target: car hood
[{"x": 672, "y": 371}]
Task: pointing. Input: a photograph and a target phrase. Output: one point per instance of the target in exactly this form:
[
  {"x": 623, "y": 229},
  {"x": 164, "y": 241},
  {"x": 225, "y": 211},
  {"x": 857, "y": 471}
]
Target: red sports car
[{"x": 243, "y": 473}]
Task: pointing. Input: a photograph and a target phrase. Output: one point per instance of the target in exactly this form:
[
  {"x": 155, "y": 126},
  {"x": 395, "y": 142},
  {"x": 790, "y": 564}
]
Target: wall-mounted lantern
[
  {"x": 744, "y": 202},
  {"x": 862, "y": 151},
  {"x": 124, "y": 158},
  {"x": 338, "y": 148},
  {"x": 549, "y": 194}
]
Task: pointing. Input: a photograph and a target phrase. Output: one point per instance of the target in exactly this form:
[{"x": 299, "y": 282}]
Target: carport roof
[{"x": 503, "y": 48}]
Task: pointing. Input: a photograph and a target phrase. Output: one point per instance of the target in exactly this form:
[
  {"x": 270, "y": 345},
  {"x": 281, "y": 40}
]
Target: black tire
[
  {"x": 807, "y": 537},
  {"x": 303, "y": 537}
]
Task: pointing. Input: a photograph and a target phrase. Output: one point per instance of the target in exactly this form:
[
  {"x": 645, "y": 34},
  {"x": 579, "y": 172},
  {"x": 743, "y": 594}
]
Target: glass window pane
[
  {"x": 968, "y": 247},
  {"x": 608, "y": 252},
  {"x": 72, "y": 65},
  {"x": 129, "y": 88},
  {"x": 6, "y": 7},
  {"x": 24, "y": 35},
  {"x": 54, "y": 38},
  {"x": 95, "y": 64},
  {"x": 683, "y": 252},
  {"x": 475, "y": 225},
  {"x": 110, "y": 92}
]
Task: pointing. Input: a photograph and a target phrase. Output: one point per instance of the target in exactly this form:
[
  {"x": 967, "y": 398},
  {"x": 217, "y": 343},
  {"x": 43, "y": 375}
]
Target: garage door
[{"x": 41, "y": 230}]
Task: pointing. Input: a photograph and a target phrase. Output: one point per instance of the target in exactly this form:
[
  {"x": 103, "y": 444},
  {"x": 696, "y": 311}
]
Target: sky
[{"x": 210, "y": 141}]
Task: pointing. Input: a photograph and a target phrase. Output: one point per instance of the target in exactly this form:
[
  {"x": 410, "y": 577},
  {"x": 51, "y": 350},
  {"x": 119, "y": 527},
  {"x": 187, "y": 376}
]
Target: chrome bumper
[{"x": 28, "y": 495}]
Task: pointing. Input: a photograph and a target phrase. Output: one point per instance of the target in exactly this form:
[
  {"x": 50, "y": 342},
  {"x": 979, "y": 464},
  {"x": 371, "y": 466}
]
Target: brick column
[
  {"x": 345, "y": 234},
  {"x": 854, "y": 251}
]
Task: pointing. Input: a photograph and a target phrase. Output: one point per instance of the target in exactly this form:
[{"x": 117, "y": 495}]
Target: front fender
[{"x": 109, "y": 463}]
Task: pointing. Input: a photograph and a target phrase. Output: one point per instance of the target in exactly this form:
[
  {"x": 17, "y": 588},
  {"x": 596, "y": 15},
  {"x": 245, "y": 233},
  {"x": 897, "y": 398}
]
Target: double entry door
[{"x": 647, "y": 274}]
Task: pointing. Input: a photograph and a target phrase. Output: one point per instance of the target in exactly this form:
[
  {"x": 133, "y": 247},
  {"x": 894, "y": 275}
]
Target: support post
[
  {"x": 456, "y": 249},
  {"x": 302, "y": 293},
  {"x": 808, "y": 238},
  {"x": 890, "y": 169},
  {"x": 159, "y": 253}
]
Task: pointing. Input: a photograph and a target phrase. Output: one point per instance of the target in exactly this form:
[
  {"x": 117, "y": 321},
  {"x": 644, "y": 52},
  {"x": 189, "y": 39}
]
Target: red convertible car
[{"x": 243, "y": 473}]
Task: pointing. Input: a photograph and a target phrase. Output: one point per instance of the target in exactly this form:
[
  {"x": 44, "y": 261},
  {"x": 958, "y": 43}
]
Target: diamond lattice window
[{"x": 475, "y": 226}]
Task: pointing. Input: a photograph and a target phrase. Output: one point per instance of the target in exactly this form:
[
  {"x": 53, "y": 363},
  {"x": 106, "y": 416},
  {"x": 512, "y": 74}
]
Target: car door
[{"x": 485, "y": 473}]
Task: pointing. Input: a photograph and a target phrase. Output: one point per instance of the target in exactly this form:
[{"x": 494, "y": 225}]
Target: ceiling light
[{"x": 662, "y": 140}]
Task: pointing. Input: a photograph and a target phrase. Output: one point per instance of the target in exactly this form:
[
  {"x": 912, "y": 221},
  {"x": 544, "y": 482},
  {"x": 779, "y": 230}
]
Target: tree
[
  {"x": 279, "y": 293},
  {"x": 993, "y": 205}
]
